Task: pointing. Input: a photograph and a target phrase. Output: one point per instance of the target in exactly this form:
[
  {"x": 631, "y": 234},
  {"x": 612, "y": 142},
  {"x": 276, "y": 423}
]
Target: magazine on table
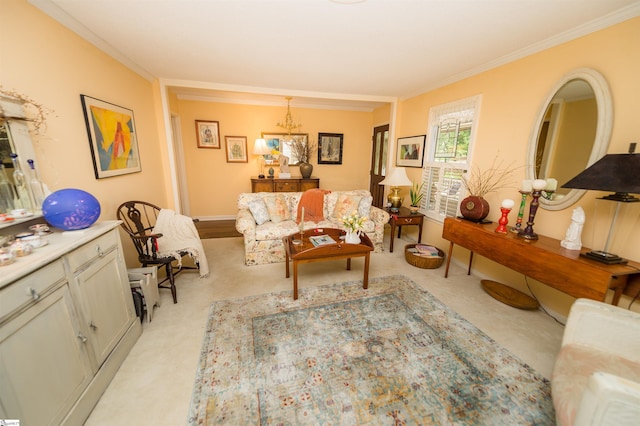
[{"x": 321, "y": 240}]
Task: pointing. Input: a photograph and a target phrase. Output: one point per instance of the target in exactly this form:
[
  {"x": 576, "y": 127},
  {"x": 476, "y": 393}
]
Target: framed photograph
[
  {"x": 278, "y": 142},
  {"x": 208, "y": 134},
  {"x": 330, "y": 148},
  {"x": 410, "y": 152},
  {"x": 112, "y": 136},
  {"x": 236, "y": 149}
]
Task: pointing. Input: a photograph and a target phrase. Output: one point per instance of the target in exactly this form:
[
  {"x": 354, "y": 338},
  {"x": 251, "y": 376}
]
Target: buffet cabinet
[
  {"x": 67, "y": 322},
  {"x": 294, "y": 184}
]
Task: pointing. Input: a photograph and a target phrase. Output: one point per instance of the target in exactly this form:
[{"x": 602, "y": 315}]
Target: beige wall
[
  {"x": 214, "y": 184},
  {"x": 511, "y": 97},
  {"x": 52, "y": 65}
]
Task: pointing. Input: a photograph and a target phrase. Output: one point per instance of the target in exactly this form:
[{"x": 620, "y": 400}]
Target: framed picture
[
  {"x": 410, "y": 151},
  {"x": 278, "y": 142},
  {"x": 112, "y": 136},
  {"x": 330, "y": 148},
  {"x": 236, "y": 149},
  {"x": 208, "y": 134}
]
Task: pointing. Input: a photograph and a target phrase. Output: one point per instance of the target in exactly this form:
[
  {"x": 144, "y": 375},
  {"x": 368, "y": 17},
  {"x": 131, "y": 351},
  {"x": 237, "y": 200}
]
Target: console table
[
  {"x": 293, "y": 184},
  {"x": 544, "y": 260}
]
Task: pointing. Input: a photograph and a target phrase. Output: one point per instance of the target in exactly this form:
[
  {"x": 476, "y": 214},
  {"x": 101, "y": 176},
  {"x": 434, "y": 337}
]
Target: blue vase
[{"x": 71, "y": 209}]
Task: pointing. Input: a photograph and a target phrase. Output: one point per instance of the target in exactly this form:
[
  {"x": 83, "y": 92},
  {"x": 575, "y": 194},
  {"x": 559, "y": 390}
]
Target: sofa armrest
[
  {"x": 245, "y": 223},
  {"x": 609, "y": 399},
  {"x": 604, "y": 327},
  {"x": 378, "y": 215}
]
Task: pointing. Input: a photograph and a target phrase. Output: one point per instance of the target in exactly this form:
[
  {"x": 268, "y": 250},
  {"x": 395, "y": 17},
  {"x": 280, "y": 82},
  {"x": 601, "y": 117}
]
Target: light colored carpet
[
  {"x": 389, "y": 355},
  {"x": 155, "y": 383}
]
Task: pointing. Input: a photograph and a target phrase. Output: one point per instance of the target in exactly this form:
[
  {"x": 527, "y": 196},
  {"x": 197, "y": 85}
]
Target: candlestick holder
[
  {"x": 502, "y": 222},
  {"x": 527, "y": 233},
  {"x": 523, "y": 203}
]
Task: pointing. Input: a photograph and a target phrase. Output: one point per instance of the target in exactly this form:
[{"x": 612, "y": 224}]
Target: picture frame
[
  {"x": 112, "y": 136},
  {"x": 410, "y": 151},
  {"x": 278, "y": 141},
  {"x": 208, "y": 134},
  {"x": 236, "y": 147},
  {"x": 330, "y": 148}
]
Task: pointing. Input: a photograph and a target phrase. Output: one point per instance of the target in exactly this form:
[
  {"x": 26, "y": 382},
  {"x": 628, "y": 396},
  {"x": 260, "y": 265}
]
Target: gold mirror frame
[{"x": 602, "y": 137}]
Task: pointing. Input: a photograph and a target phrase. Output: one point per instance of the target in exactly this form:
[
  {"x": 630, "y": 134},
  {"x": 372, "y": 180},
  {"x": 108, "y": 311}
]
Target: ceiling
[{"x": 362, "y": 52}]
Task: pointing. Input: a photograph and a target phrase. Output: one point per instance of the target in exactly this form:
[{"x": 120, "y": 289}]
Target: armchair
[{"x": 596, "y": 377}]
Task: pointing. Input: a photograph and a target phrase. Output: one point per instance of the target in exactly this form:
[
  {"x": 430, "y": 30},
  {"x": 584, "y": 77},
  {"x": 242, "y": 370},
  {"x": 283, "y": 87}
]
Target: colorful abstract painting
[{"x": 112, "y": 136}]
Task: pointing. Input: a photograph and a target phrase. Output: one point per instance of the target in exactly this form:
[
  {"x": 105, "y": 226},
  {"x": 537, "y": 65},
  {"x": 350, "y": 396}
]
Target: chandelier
[{"x": 289, "y": 124}]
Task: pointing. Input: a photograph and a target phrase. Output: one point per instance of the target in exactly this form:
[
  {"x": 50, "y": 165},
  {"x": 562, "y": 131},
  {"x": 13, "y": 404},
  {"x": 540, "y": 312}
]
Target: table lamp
[
  {"x": 260, "y": 148},
  {"x": 617, "y": 173},
  {"x": 397, "y": 178}
]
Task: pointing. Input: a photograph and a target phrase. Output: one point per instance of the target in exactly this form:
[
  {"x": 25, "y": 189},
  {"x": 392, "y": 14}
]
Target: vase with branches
[
  {"x": 479, "y": 183},
  {"x": 302, "y": 150}
]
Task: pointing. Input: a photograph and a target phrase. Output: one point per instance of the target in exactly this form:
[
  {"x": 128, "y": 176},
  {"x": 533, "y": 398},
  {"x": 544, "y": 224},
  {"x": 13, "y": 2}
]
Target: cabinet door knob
[
  {"x": 93, "y": 325},
  {"x": 100, "y": 252},
  {"x": 82, "y": 338},
  {"x": 34, "y": 294}
]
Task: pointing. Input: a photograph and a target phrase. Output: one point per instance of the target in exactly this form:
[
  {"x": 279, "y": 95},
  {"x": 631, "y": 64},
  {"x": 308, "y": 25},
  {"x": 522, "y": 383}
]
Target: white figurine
[
  {"x": 284, "y": 163},
  {"x": 572, "y": 239}
]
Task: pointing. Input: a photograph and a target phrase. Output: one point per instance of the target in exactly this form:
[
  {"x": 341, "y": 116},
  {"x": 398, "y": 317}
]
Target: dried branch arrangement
[
  {"x": 35, "y": 112},
  {"x": 302, "y": 150},
  {"x": 480, "y": 183}
]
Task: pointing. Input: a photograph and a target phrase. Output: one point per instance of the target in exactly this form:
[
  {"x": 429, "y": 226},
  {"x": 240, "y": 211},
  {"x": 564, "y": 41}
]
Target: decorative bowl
[{"x": 71, "y": 209}]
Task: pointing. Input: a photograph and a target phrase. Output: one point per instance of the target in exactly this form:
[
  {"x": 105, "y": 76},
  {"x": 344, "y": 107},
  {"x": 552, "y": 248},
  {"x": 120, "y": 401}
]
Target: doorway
[{"x": 380, "y": 142}]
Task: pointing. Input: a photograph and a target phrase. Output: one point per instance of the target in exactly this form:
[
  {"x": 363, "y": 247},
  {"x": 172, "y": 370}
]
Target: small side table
[{"x": 402, "y": 218}]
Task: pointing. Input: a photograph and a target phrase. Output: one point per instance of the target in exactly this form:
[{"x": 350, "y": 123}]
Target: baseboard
[{"x": 221, "y": 217}]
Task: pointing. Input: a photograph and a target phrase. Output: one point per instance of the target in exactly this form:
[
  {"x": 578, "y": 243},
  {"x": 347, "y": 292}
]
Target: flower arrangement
[
  {"x": 353, "y": 222},
  {"x": 480, "y": 183},
  {"x": 302, "y": 150}
]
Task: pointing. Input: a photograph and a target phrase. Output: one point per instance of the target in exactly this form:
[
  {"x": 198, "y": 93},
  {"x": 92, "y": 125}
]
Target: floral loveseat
[{"x": 263, "y": 231}]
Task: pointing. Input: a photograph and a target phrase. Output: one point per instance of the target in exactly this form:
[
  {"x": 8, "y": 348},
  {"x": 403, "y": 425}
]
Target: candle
[
  {"x": 508, "y": 203},
  {"x": 527, "y": 185},
  {"x": 539, "y": 184},
  {"x": 302, "y": 221},
  {"x": 552, "y": 184}
]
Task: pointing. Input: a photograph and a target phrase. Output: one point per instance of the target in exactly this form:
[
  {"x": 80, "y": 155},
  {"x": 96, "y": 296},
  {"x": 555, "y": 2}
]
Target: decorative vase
[
  {"x": 474, "y": 208},
  {"x": 352, "y": 237},
  {"x": 305, "y": 170}
]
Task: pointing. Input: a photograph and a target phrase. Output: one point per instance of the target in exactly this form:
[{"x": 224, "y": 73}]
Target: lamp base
[{"x": 604, "y": 257}]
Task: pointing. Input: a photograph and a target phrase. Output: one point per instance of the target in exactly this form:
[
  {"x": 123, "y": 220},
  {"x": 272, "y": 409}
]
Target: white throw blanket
[{"x": 180, "y": 234}]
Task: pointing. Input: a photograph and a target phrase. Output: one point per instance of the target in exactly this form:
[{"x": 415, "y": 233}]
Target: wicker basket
[{"x": 423, "y": 262}]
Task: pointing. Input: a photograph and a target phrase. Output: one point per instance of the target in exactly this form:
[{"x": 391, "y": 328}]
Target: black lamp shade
[{"x": 619, "y": 173}]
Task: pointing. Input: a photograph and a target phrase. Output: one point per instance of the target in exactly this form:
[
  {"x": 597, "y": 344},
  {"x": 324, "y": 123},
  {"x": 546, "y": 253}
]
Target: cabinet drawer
[
  {"x": 30, "y": 288},
  {"x": 286, "y": 186},
  {"x": 92, "y": 250},
  {"x": 409, "y": 220}
]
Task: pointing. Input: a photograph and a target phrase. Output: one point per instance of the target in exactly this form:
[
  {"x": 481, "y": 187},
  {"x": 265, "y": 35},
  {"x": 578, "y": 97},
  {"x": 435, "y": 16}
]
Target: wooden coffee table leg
[
  {"x": 295, "y": 280},
  {"x": 446, "y": 270},
  {"x": 348, "y": 263},
  {"x": 286, "y": 260},
  {"x": 365, "y": 280}
]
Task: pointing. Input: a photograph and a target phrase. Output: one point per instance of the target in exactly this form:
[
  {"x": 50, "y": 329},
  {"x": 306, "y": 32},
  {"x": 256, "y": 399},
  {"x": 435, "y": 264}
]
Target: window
[{"x": 451, "y": 134}]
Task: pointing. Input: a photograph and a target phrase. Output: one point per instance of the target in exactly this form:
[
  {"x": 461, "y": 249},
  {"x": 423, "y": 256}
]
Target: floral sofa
[{"x": 263, "y": 230}]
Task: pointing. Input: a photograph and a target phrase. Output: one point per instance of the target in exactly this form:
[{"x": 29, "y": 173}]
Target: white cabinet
[{"x": 65, "y": 328}]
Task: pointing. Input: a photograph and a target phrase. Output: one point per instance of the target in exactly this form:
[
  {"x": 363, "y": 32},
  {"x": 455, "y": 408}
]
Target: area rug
[{"x": 341, "y": 355}]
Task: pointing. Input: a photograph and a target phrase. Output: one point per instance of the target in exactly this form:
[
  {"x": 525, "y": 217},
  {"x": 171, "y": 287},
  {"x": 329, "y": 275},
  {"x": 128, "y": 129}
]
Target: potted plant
[
  {"x": 302, "y": 150},
  {"x": 478, "y": 184},
  {"x": 416, "y": 194}
]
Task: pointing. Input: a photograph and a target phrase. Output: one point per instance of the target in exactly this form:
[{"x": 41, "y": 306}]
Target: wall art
[{"x": 208, "y": 134}]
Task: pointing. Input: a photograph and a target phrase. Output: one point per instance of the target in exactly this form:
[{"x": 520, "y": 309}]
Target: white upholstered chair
[{"x": 596, "y": 377}]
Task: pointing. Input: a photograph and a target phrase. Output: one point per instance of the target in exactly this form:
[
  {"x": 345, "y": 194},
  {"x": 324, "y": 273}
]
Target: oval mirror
[{"x": 571, "y": 132}]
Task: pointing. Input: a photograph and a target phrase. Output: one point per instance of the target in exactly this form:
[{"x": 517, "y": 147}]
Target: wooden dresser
[
  {"x": 544, "y": 260},
  {"x": 293, "y": 184}
]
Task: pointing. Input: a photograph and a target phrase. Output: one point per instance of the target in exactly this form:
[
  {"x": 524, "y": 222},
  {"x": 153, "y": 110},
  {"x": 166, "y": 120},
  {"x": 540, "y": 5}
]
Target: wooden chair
[{"x": 138, "y": 220}]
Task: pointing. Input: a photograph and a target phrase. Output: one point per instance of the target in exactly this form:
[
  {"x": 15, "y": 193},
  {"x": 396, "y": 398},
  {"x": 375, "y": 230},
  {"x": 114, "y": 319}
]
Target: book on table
[{"x": 321, "y": 240}]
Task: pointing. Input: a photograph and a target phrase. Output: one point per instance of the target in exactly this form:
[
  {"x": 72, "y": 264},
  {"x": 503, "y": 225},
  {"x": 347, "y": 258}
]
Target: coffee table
[{"x": 306, "y": 252}]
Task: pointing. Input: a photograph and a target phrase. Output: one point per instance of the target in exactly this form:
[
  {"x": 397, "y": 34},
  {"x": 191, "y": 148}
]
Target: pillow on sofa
[
  {"x": 258, "y": 209},
  {"x": 345, "y": 205},
  {"x": 364, "y": 207},
  {"x": 277, "y": 207}
]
